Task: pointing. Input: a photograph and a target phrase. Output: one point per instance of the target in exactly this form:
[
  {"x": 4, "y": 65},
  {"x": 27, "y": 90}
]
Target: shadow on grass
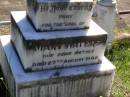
[{"x": 3, "y": 89}]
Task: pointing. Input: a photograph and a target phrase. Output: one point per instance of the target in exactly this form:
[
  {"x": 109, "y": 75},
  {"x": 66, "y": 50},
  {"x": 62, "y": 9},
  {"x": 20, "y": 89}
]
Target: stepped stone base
[
  {"x": 80, "y": 81},
  {"x": 48, "y": 50},
  {"x": 50, "y": 15}
]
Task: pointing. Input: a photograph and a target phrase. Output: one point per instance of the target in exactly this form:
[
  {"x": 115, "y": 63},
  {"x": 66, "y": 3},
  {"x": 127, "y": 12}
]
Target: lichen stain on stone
[{"x": 72, "y": 88}]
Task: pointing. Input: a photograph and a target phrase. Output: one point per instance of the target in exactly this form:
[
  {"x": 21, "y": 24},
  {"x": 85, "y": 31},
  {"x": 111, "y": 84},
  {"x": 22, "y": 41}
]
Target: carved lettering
[
  {"x": 65, "y": 16},
  {"x": 48, "y": 55},
  {"x": 58, "y": 7},
  {"x": 64, "y": 54},
  {"x": 84, "y": 52},
  {"x": 69, "y": 54},
  {"x": 64, "y": 61}
]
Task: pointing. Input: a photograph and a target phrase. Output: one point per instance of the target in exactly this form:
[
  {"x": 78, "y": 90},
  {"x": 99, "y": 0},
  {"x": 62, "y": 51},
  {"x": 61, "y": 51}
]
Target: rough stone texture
[
  {"x": 38, "y": 51},
  {"x": 80, "y": 81},
  {"x": 60, "y": 14}
]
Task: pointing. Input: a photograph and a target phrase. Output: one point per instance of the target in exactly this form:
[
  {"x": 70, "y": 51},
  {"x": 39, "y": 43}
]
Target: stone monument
[
  {"x": 56, "y": 50},
  {"x": 105, "y": 16}
]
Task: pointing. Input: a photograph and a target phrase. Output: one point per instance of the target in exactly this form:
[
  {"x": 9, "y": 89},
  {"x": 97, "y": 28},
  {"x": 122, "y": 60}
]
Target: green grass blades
[{"x": 119, "y": 55}]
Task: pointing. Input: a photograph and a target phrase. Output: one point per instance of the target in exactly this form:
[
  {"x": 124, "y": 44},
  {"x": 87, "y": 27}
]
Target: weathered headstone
[
  {"x": 48, "y": 15},
  {"x": 79, "y": 81},
  {"x": 104, "y": 15},
  {"x": 39, "y": 51},
  {"x": 67, "y": 63}
]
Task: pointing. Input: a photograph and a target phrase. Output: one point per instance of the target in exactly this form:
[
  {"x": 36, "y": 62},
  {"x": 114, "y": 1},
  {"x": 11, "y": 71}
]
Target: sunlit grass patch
[{"x": 119, "y": 55}]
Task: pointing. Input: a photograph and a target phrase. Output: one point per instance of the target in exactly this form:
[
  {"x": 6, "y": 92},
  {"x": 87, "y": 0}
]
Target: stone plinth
[
  {"x": 50, "y": 15},
  {"x": 39, "y": 51},
  {"x": 79, "y": 81}
]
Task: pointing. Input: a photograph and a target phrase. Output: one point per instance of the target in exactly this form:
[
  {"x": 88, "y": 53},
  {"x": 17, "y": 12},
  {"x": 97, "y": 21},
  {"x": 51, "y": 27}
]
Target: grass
[
  {"x": 3, "y": 89},
  {"x": 119, "y": 55},
  {"x": 121, "y": 26},
  {"x": 126, "y": 29}
]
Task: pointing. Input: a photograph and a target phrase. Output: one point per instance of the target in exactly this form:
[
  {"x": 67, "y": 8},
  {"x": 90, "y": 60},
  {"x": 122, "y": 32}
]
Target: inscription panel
[
  {"x": 59, "y": 15},
  {"x": 66, "y": 56},
  {"x": 49, "y": 57}
]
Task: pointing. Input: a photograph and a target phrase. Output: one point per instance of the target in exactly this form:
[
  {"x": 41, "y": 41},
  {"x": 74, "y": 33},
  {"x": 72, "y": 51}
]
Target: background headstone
[{"x": 104, "y": 15}]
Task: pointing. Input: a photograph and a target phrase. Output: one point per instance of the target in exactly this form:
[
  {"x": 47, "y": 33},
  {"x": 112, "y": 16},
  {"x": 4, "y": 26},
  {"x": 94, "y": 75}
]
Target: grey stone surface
[
  {"x": 79, "y": 81},
  {"x": 60, "y": 14},
  {"x": 39, "y": 51},
  {"x": 105, "y": 16}
]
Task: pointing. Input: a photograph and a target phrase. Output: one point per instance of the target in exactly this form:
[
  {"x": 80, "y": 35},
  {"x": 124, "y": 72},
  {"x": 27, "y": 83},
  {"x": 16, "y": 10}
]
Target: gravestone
[
  {"x": 39, "y": 51},
  {"x": 68, "y": 61},
  {"x": 105, "y": 16}
]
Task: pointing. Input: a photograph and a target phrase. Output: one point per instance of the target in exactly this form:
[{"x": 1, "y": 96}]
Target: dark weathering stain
[
  {"x": 55, "y": 80},
  {"x": 32, "y": 5},
  {"x": 58, "y": 42},
  {"x": 67, "y": 42}
]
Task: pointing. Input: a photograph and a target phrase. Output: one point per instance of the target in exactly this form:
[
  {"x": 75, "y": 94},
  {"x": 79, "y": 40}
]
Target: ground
[
  {"x": 14, "y": 5},
  {"x": 9, "y": 5},
  {"x": 124, "y": 5}
]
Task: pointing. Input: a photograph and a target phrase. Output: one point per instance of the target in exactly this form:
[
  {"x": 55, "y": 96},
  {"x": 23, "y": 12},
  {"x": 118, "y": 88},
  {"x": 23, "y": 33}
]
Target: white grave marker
[{"x": 39, "y": 51}]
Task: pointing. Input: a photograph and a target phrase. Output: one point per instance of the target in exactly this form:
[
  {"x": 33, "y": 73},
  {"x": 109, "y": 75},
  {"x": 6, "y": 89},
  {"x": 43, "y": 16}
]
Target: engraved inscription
[
  {"x": 64, "y": 54},
  {"x": 60, "y": 24},
  {"x": 65, "y": 14},
  {"x": 63, "y": 61},
  {"x": 48, "y": 55},
  {"x": 62, "y": 15},
  {"x": 80, "y": 53},
  {"x": 57, "y": 7}
]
